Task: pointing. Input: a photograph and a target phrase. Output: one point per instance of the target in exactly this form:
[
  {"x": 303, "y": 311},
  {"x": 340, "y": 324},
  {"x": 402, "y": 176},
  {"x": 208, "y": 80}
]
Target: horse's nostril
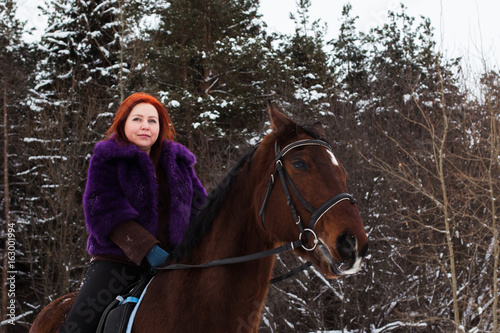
[{"x": 346, "y": 246}]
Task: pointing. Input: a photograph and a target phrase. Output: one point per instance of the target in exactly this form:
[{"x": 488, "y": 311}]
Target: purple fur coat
[{"x": 121, "y": 186}]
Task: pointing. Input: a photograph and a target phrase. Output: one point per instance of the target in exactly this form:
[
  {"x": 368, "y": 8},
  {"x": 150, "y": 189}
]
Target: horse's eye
[{"x": 299, "y": 164}]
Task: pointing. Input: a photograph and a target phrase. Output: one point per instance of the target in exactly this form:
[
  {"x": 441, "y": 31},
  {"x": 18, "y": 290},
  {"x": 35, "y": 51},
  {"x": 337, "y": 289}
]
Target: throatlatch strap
[{"x": 262, "y": 212}]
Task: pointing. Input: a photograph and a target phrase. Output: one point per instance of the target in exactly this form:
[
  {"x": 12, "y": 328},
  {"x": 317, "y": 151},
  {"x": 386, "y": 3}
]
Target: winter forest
[{"x": 417, "y": 134}]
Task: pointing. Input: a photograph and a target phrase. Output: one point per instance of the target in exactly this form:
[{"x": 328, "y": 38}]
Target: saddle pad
[{"x": 117, "y": 315}]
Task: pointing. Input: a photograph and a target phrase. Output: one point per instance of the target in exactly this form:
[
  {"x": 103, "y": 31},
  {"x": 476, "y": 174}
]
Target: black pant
[{"x": 103, "y": 282}]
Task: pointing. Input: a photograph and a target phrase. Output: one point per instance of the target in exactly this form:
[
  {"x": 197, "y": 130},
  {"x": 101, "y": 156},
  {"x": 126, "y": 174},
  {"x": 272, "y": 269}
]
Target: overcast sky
[{"x": 468, "y": 28}]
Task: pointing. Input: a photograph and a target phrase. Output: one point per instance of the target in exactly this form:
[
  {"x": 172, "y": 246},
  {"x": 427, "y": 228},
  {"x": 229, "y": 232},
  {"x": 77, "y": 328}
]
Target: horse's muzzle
[{"x": 351, "y": 257}]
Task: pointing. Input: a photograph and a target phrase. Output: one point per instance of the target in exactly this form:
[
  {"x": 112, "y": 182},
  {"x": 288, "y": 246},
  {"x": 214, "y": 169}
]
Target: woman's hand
[{"x": 156, "y": 257}]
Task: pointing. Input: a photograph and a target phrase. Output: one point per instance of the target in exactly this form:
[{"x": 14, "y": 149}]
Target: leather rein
[{"x": 304, "y": 231}]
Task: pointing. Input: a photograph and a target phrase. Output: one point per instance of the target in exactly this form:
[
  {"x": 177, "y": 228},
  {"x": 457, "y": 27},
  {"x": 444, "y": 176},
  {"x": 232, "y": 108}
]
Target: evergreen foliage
[
  {"x": 421, "y": 150},
  {"x": 208, "y": 62},
  {"x": 15, "y": 65}
]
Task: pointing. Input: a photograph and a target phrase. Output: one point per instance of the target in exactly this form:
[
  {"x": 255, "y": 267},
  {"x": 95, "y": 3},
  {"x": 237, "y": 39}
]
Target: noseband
[{"x": 286, "y": 182}]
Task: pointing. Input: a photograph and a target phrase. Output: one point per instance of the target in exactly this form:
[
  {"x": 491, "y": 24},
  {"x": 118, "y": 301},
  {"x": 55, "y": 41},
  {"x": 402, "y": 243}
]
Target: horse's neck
[
  {"x": 236, "y": 230},
  {"x": 230, "y": 296},
  {"x": 241, "y": 288}
]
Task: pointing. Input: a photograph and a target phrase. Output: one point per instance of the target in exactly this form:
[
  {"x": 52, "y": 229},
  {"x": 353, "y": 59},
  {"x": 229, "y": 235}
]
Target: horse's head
[{"x": 307, "y": 198}]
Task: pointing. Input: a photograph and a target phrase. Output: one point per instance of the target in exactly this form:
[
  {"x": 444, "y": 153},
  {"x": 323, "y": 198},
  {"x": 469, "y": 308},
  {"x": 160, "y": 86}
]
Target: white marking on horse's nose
[
  {"x": 333, "y": 158},
  {"x": 356, "y": 266}
]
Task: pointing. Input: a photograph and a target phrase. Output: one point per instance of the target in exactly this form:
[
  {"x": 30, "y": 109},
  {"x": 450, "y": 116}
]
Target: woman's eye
[
  {"x": 299, "y": 164},
  {"x": 152, "y": 121}
]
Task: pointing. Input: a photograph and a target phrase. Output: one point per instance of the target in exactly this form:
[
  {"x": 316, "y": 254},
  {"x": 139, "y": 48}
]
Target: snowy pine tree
[
  {"x": 15, "y": 65},
  {"x": 304, "y": 71},
  {"x": 78, "y": 86},
  {"x": 207, "y": 61},
  {"x": 349, "y": 60}
]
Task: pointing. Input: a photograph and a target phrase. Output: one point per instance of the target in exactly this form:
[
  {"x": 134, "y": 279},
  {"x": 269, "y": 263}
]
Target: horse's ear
[
  {"x": 318, "y": 128},
  {"x": 278, "y": 119}
]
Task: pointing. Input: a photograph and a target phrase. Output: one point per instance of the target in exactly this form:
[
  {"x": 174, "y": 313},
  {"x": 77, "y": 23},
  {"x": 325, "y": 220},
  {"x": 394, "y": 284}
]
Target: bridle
[
  {"x": 286, "y": 182},
  {"x": 316, "y": 215}
]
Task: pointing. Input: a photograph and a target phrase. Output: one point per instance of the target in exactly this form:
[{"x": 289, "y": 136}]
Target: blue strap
[
  {"x": 132, "y": 315},
  {"x": 129, "y": 299}
]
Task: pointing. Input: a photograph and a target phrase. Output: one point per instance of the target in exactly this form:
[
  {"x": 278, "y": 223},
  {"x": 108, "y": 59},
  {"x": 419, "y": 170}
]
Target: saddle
[{"x": 116, "y": 317}]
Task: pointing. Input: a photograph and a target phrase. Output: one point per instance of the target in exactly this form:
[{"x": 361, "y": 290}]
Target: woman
[{"x": 141, "y": 193}]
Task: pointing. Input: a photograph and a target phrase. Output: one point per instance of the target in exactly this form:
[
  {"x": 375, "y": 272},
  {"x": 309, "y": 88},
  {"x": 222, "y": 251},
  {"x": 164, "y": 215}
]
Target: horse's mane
[{"x": 202, "y": 223}]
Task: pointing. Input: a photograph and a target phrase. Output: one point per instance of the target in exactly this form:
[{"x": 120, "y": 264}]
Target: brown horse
[{"x": 247, "y": 214}]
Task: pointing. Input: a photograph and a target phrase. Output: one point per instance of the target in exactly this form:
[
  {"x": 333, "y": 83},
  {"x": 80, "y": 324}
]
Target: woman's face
[{"x": 142, "y": 126}]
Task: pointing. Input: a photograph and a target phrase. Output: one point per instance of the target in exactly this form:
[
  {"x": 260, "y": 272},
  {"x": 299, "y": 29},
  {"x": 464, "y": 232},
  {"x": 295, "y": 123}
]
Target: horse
[{"x": 248, "y": 213}]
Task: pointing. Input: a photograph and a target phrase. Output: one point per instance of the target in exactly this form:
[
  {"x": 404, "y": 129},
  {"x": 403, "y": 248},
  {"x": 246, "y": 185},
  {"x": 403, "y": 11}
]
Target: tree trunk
[
  {"x": 492, "y": 179},
  {"x": 122, "y": 34},
  {"x": 446, "y": 205}
]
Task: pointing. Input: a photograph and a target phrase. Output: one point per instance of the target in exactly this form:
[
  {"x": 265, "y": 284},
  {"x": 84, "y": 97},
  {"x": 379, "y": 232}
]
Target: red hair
[{"x": 167, "y": 130}]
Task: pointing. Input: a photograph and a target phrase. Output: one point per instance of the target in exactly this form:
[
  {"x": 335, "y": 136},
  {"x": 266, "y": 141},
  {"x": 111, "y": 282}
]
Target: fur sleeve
[{"x": 103, "y": 202}]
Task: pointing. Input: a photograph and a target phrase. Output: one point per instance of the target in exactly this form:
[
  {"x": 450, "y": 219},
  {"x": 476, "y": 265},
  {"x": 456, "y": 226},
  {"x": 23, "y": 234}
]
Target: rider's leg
[{"x": 103, "y": 282}]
